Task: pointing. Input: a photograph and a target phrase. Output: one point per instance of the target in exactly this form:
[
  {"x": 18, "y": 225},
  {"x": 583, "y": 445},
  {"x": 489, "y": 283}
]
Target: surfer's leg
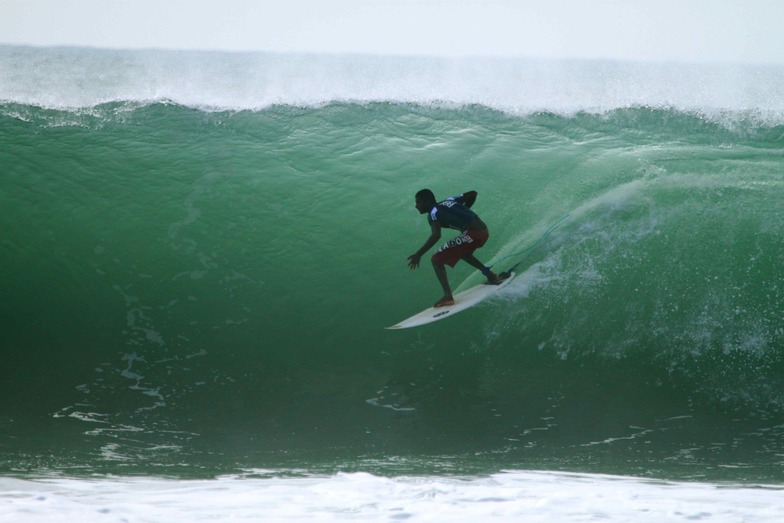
[
  {"x": 472, "y": 261},
  {"x": 444, "y": 281}
]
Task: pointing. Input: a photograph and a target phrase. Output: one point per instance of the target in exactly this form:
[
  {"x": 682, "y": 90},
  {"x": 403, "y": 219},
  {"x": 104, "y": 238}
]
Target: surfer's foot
[
  {"x": 445, "y": 302},
  {"x": 495, "y": 279}
]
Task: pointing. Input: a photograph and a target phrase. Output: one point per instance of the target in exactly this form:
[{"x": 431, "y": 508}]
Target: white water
[
  {"x": 510, "y": 496},
  {"x": 65, "y": 77}
]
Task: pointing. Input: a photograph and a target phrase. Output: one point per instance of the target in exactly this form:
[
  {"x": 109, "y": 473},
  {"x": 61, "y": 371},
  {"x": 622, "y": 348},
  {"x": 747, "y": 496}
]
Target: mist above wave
[{"x": 76, "y": 77}]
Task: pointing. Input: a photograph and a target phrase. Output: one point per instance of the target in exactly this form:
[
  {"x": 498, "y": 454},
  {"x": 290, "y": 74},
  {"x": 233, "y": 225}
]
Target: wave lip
[{"x": 78, "y": 78}]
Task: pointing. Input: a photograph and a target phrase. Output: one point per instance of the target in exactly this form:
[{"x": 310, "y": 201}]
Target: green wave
[{"x": 188, "y": 289}]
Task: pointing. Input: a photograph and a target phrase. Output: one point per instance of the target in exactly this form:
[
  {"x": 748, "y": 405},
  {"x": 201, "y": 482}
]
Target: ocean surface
[{"x": 200, "y": 252}]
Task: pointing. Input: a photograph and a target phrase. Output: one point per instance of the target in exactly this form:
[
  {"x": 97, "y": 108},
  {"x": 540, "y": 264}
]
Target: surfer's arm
[
  {"x": 468, "y": 198},
  {"x": 435, "y": 235}
]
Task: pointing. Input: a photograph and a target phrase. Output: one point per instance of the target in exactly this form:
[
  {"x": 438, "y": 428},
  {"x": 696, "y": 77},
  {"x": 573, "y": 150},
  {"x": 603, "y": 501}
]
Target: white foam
[
  {"x": 86, "y": 77},
  {"x": 511, "y": 496}
]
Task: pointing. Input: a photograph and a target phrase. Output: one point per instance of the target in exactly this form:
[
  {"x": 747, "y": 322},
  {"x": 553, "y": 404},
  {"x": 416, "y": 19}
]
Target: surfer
[{"x": 453, "y": 213}]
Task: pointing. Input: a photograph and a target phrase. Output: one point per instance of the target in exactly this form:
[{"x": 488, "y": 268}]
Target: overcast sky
[{"x": 660, "y": 30}]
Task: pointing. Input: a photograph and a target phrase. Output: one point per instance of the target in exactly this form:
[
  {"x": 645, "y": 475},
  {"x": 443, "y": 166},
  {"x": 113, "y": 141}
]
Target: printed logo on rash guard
[{"x": 452, "y": 214}]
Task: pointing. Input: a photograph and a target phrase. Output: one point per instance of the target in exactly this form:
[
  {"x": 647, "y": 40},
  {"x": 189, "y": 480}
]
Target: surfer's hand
[{"x": 413, "y": 260}]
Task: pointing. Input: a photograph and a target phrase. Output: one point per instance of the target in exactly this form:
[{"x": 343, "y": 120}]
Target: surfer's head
[{"x": 425, "y": 200}]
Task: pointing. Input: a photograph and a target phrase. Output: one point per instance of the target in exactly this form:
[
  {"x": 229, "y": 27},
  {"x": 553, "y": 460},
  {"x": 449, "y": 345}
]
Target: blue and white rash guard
[{"x": 451, "y": 213}]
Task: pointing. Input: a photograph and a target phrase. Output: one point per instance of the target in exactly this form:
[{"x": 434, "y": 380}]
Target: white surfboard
[{"x": 463, "y": 301}]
